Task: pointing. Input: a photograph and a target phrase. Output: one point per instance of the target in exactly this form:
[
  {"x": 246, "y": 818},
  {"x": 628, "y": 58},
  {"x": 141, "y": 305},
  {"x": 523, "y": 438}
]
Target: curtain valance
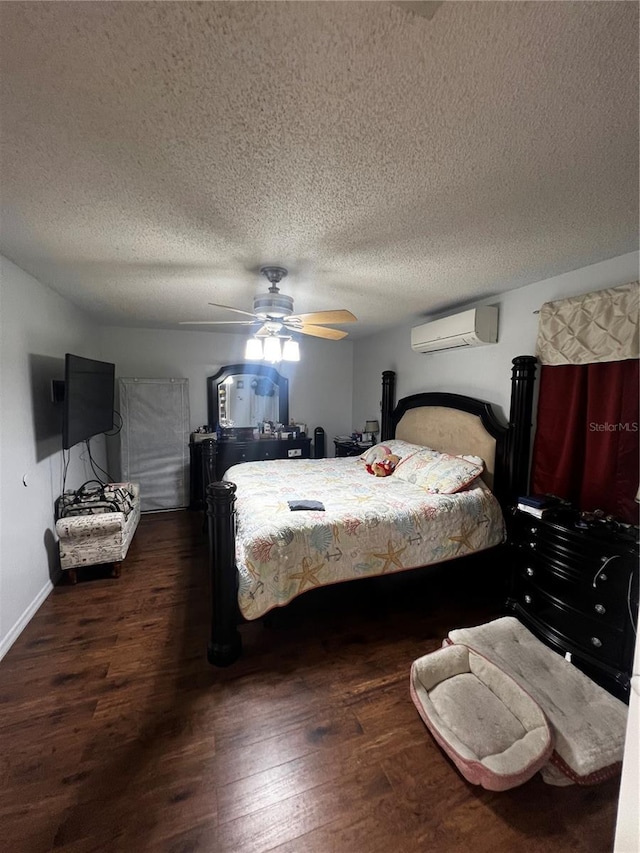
[{"x": 591, "y": 328}]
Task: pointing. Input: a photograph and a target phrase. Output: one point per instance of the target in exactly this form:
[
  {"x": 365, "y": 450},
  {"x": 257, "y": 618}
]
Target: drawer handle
[
  {"x": 534, "y": 530},
  {"x": 528, "y": 599},
  {"x": 601, "y": 609},
  {"x": 532, "y": 544},
  {"x": 596, "y": 642},
  {"x": 605, "y": 562},
  {"x": 530, "y": 572}
]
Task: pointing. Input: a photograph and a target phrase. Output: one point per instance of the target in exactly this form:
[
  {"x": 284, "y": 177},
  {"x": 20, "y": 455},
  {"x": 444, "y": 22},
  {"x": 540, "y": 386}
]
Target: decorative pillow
[
  {"x": 375, "y": 453},
  {"x": 438, "y": 473},
  {"x": 475, "y": 459},
  {"x": 401, "y": 448}
]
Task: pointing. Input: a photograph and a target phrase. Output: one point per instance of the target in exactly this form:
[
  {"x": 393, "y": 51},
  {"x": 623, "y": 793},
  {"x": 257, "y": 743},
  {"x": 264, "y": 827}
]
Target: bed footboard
[{"x": 225, "y": 643}]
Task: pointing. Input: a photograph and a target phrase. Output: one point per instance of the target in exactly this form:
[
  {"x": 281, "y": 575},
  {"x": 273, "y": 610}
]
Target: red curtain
[{"x": 586, "y": 445}]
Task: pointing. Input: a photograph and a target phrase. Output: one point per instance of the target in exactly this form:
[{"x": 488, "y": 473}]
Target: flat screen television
[{"x": 88, "y": 398}]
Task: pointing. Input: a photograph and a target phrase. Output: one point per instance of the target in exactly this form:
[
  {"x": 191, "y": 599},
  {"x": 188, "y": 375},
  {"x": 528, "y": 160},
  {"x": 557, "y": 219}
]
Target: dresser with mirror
[{"x": 240, "y": 398}]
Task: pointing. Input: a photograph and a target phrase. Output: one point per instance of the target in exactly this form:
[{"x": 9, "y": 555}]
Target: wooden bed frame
[{"x": 448, "y": 422}]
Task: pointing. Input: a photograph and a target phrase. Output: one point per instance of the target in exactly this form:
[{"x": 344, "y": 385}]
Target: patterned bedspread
[{"x": 370, "y": 526}]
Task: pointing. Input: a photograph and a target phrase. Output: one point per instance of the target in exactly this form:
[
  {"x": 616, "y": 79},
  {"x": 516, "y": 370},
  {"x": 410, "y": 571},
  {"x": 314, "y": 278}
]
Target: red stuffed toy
[{"x": 383, "y": 467}]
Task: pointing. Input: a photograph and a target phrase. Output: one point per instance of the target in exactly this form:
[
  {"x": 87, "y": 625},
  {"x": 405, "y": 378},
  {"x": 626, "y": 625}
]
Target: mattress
[{"x": 370, "y": 526}]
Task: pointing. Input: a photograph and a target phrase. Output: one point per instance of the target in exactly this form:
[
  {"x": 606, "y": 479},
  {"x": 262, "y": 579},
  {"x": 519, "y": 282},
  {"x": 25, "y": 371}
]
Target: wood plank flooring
[{"x": 117, "y": 735}]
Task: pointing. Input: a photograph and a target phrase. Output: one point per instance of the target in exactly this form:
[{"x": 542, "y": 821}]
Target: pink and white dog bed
[
  {"x": 587, "y": 722},
  {"x": 493, "y": 731},
  {"x": 502, "y": 705}
]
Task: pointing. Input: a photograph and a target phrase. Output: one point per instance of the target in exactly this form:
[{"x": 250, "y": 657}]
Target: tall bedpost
[
  {"x": 225, "y": 643},
  {"x": 523, "y": 374},
  {"x": 388, "y": 399}
]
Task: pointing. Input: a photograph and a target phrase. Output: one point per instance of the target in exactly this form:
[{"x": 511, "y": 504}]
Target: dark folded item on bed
[{"x": 300, "y": 504}]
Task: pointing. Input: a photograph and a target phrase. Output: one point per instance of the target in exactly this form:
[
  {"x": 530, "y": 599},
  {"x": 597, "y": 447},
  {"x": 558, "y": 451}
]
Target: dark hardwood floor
[{"x": 115, "y": 733}]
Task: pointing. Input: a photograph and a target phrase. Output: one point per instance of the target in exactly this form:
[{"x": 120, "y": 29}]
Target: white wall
[
  {"x": 483, "y": 372},
  {"x": 320, "y": 385},
  {"x": 37, "y": 327}
]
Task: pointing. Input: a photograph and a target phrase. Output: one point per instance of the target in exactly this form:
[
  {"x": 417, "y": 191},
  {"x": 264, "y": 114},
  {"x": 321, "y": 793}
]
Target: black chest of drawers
[
  {"x": 210, "y": 459},
  {"x": 233, "y": 452},
  {"x": 578, "y": 591}
]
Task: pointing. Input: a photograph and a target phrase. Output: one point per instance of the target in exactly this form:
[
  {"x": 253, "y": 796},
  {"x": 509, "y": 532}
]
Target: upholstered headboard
[
  {"x": 458, "y": 425},
  {"x": 450, "y": 431}
]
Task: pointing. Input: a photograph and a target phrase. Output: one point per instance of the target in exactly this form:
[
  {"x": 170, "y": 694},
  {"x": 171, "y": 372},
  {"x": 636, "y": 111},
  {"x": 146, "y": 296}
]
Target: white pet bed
[
  {"x": 493, "y": 731},
  {"x": 588, "y": 724}
]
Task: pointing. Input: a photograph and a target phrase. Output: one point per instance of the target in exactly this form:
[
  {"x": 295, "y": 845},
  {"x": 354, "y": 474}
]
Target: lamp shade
[
  {"x": 253, "y": 350},
  {"x": 272, "y": 349},
  {"x": 291, "y": 350},
  {"x": 372, "y": 426}
]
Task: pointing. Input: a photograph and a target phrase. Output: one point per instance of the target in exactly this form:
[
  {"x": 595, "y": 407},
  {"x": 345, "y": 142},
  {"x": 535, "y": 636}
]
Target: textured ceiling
[{"x": 398, "y": 161}]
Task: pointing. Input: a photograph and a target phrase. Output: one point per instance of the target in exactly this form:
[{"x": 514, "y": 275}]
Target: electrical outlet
[{"x": 294, "y": 451}]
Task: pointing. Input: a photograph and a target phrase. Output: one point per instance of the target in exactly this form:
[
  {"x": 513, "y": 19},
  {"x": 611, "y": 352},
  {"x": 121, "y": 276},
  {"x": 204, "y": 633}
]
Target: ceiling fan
[{"x": 274, "y": 312}]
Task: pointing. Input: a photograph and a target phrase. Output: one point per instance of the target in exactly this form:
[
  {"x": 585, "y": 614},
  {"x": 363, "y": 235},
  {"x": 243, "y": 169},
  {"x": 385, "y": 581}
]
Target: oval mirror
[{"x": 244, "y": 395}]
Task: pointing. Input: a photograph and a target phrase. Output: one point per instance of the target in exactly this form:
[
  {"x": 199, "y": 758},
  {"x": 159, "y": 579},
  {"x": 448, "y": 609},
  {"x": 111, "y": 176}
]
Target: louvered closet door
[{"x": 155, "y": 440}]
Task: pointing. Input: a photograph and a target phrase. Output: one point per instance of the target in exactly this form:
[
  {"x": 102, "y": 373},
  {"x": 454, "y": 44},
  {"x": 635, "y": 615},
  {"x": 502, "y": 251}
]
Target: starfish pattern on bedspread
[
  {"x": 464, "y": 536},
  {"x": 307, "y": 574},
  {"x": 391, "y": 556}
]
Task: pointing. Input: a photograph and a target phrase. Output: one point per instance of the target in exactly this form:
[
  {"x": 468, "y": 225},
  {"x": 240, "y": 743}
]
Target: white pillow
[{"x": 438, "y": 473}]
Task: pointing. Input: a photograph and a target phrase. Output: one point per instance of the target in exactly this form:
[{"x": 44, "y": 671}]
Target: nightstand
[
  {"x": 577, "y": 590},
  {"x": 350, "y": 448}
]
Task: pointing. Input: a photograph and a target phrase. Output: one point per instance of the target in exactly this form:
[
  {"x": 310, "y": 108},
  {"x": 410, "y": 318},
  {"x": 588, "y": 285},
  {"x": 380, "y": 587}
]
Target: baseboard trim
[{"x": 27, "y": 616}]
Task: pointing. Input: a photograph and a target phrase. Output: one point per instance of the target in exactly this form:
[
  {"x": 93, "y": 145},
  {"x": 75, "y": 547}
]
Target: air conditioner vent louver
[{"x": 471, "y": 328}]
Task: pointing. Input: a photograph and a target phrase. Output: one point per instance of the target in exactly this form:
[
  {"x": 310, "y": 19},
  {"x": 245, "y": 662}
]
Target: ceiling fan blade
[
  {"x": 229, "y": 308},
  {"x": 321, "y": 317},
  {"x": 321, "y": 332},
  {"x": 216, "y": 322}
]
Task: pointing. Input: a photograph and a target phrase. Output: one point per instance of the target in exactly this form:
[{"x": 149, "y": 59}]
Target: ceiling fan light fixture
[
  {"x": 291, "y": 350},
  {"x": 272, "y": 349},
  {"x": 253, "y": 350}
]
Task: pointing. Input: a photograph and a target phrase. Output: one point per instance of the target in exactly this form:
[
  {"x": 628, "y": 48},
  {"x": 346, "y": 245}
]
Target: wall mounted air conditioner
[{"x": 468, "y": 329}]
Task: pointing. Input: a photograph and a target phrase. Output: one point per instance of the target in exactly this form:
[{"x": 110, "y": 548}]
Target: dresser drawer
[
  {"x": 231, "y": 454},
  {"x": 585, "y": 563},
  {"x": 577, "y": 588},
  {"x": 533, "y": 533},
  {"x": 601, "y": 640},
  {"x": 263, "y": 449},
  {"x": 603, "y": 595}
]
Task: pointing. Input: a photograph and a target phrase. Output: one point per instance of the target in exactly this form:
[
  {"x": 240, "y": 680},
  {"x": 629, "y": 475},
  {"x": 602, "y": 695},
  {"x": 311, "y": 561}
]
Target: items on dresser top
[
  {"x": 576, "y": 588},
  {"x": 541, "y": 505}
]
